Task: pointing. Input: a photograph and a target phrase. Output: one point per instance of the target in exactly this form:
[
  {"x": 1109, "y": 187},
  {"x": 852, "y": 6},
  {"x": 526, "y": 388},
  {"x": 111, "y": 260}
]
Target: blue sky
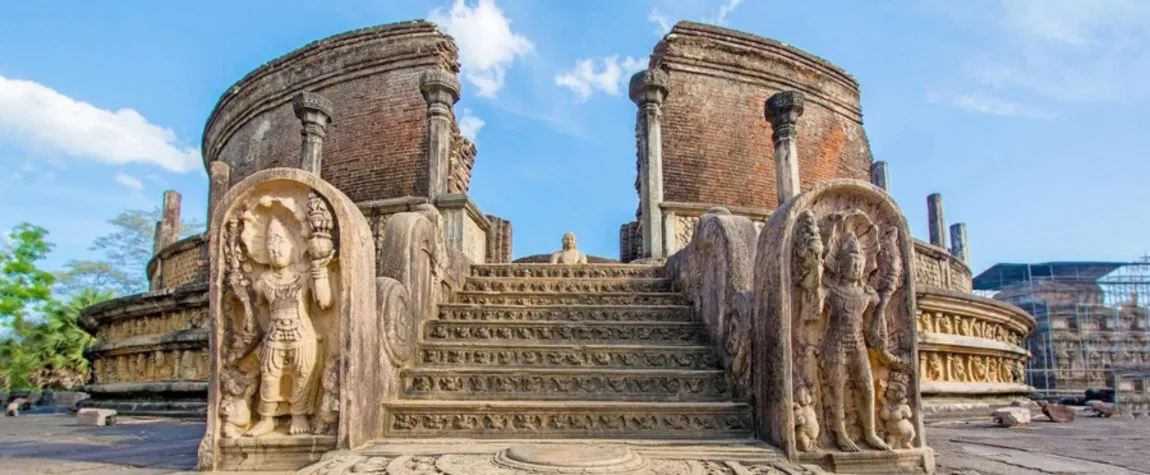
[{"x": 1029, "y": 116}]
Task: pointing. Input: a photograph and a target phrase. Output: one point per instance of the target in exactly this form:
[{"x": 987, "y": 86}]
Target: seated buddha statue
[{"x": 569, "y": 255}]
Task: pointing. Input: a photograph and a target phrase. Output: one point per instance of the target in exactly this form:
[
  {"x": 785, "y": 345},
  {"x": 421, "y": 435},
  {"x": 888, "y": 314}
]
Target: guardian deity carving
[
  {"x": 278, "y": 253},
  {"x": 835, "y": 292}
]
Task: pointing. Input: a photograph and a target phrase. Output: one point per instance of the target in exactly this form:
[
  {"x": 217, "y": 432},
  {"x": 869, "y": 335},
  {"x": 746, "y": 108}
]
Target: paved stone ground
[{"x": 54, "y": 444}]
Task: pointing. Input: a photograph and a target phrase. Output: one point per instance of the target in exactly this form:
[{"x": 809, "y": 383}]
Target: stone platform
[{"x": 53, "y": 443}]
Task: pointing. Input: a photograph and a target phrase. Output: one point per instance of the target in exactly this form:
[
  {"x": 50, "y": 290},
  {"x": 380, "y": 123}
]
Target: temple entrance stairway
[{"x": 536, "y": 351}]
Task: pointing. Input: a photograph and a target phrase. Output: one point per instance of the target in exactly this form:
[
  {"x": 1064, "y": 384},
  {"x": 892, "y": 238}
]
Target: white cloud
[
  {"x": 41, "y": 117},
  {"x": 1062, "y": 52},
  {"x": 726, "y": 9},
  {"x": 129, "y": 181},
  {"x": 584, "y": 79},
  {"x": 982, "y": 103},
  {"x": 487, "y": 46},
  {"x": 662, "y": 22},
  {"x": 469, "y": 125}
]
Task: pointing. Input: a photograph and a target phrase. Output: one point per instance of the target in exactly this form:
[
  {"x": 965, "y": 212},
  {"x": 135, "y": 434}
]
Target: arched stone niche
[
  {"x": 835, "y": 371},
  {"x": 294, "y": 342}
]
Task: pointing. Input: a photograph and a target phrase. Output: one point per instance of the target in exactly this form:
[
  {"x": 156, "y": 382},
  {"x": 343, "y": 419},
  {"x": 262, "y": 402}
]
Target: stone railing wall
[
  {"x": 151, "y": 358},
  {"x": 182, "y": 263},
  {"x": 969, "y": 345},
  {"x": 936, "y": 267}
]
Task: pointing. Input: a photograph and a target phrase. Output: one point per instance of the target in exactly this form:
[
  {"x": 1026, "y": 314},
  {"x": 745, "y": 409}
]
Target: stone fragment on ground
[
  {"x": 1058, "y": 412},
  {"x": 96, "y": 417},
  {"x": 1011, "y": 416},
  {"x": 14, "y": 407},
  {"x": 1102, "y": 409}
]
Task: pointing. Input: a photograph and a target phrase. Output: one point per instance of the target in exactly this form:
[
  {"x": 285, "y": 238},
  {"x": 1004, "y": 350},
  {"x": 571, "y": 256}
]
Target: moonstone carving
[{"x": 569, "y": 255}]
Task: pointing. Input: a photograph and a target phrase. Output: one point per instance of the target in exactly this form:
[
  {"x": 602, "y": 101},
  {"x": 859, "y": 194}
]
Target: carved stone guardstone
[
  {"x": 294, "y": 342},
  {"x": 835, "y": 354}
]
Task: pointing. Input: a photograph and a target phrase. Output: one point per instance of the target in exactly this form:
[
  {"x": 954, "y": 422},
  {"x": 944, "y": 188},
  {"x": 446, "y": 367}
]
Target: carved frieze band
[
  {"x": 559, "y": 271},
  {"x": 570, "y": 299},
  {"x": 695, "y": 386},
  {"x": 647, "y": 357},
  {"x": 535, "y": 421},
  {"x": 970, "y": 368},
  {"x": 588, "y": 286},
  {"x": 164, "y": 365},
  {"x": 605, "y": 314},
  {"x": 160, "y": 324},
  {"x": 545, "y": 332},
  {"x": 950, "y": 323}
]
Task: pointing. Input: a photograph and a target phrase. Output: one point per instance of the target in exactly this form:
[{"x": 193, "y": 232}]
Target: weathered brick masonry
[
  {"x": 716, "y": 142},
  {"x": 376, "y": 145}
]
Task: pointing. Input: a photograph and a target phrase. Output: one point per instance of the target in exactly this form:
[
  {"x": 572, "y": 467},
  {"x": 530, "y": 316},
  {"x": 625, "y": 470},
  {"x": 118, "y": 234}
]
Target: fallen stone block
[
  {"x": 1058, "y": 412},
  {"x": 96, "y": 417},
  {"x": 14, "y": 407},
  {"x": 1102, "y": 409},
  {"x": 1011, "y": 416}
]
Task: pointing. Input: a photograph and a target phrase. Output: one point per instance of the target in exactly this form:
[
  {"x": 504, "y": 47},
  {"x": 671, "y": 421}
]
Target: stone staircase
[{"x": 554, "y": 351}]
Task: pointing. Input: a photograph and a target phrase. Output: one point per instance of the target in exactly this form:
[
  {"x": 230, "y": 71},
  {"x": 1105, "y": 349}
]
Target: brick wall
[
  {"x": 376, "y": 145},
  {"x": 716, "y": 142},
  {"x": 460, "y": 162}
]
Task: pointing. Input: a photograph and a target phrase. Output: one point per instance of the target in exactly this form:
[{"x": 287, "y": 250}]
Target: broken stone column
[
  {"x": 784, "y": 110},
  {"x": 958, "y": 242},
  {"x": 648, "y": 90},
  {"x": 441, "y": 91},
  {"x": 878, "y": 176},
  {"x": 168, "y": 229},
  {"x": 314, "y": 112},
  {"x": 937, "y": 222}
]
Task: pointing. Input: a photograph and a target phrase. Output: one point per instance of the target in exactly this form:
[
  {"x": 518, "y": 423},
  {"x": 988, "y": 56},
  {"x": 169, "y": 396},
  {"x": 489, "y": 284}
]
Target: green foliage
[
  {"x": 57, "y": 344},
  {"x": 25, "y": 291},
  {"x": 122, "y": 269}
]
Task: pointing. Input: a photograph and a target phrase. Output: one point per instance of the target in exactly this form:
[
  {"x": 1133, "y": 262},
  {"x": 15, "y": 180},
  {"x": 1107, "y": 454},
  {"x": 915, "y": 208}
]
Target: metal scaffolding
[{"x": 1093, "y": 319}]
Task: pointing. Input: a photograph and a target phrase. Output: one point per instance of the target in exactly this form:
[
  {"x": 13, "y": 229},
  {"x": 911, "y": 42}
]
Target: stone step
[
  {"x": 568, "y": 356},
  {"x": 566, "y": 384},
  {"x": 564, "y": 298},
  {"x": 585, "y": 419},
  {"x": 540, "y": 284},
  {"x": 583, "y": 271},
  {"x": 665, "y": 333},
  {"x": 569, "y": 313}
]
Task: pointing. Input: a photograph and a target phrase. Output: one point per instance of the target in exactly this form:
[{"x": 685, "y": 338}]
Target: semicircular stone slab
[{"x": 567, "y": 459}]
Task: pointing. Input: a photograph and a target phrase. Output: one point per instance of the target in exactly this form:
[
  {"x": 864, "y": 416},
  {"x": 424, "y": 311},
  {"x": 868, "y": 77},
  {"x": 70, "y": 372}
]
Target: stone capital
[
  {"x": 649, "y": 86},
  {"x": 783, "y": 110},
  {"x": 439, "y": 87},
  {"x": 312, "y": 108}
]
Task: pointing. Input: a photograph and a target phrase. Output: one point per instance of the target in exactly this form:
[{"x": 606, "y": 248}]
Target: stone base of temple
[
  {"x": 874, "y": 462},
  {"x": 273, "y": 452},
  {"x": 567, "y": 456},
  {"x": 183, "y": 399},
  {"x": 966, "y": 409}
]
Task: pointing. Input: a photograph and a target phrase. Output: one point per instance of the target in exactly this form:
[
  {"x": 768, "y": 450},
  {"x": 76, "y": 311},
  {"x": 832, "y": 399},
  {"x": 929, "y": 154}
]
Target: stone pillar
[
  {"x": 441, "y": 91},
  {"x": 648, "y": 89},
  {"x": 219, "y": 176},
  {"x": 958, "y": 245},
  {"x": 168, "y": 229},
  {"x": 314, "y": 112},
  {"x": 937, "y": 222},
  {"x": 784, "y": 110},
  {"x": 878, "y": 176}
]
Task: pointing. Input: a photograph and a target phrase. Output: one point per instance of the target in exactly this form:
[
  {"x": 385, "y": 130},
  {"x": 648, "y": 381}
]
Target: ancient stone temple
[
  {"x": 1093, "y": 327},
  {"x": 351, "y": 310}
]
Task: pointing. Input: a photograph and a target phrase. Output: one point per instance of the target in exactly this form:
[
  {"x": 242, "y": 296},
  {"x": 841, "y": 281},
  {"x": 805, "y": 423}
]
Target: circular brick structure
[
  {"x": 375, "y": 146},
  {"x": 717, "y": 146}
]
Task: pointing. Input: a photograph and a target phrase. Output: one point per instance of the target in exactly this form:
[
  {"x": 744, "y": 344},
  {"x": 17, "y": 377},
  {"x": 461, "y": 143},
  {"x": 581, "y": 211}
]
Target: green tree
[
  {"x": 57, "y": 344},
  {"x": 25, "y": 291},
  {"x": 121, "y": 269}
]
